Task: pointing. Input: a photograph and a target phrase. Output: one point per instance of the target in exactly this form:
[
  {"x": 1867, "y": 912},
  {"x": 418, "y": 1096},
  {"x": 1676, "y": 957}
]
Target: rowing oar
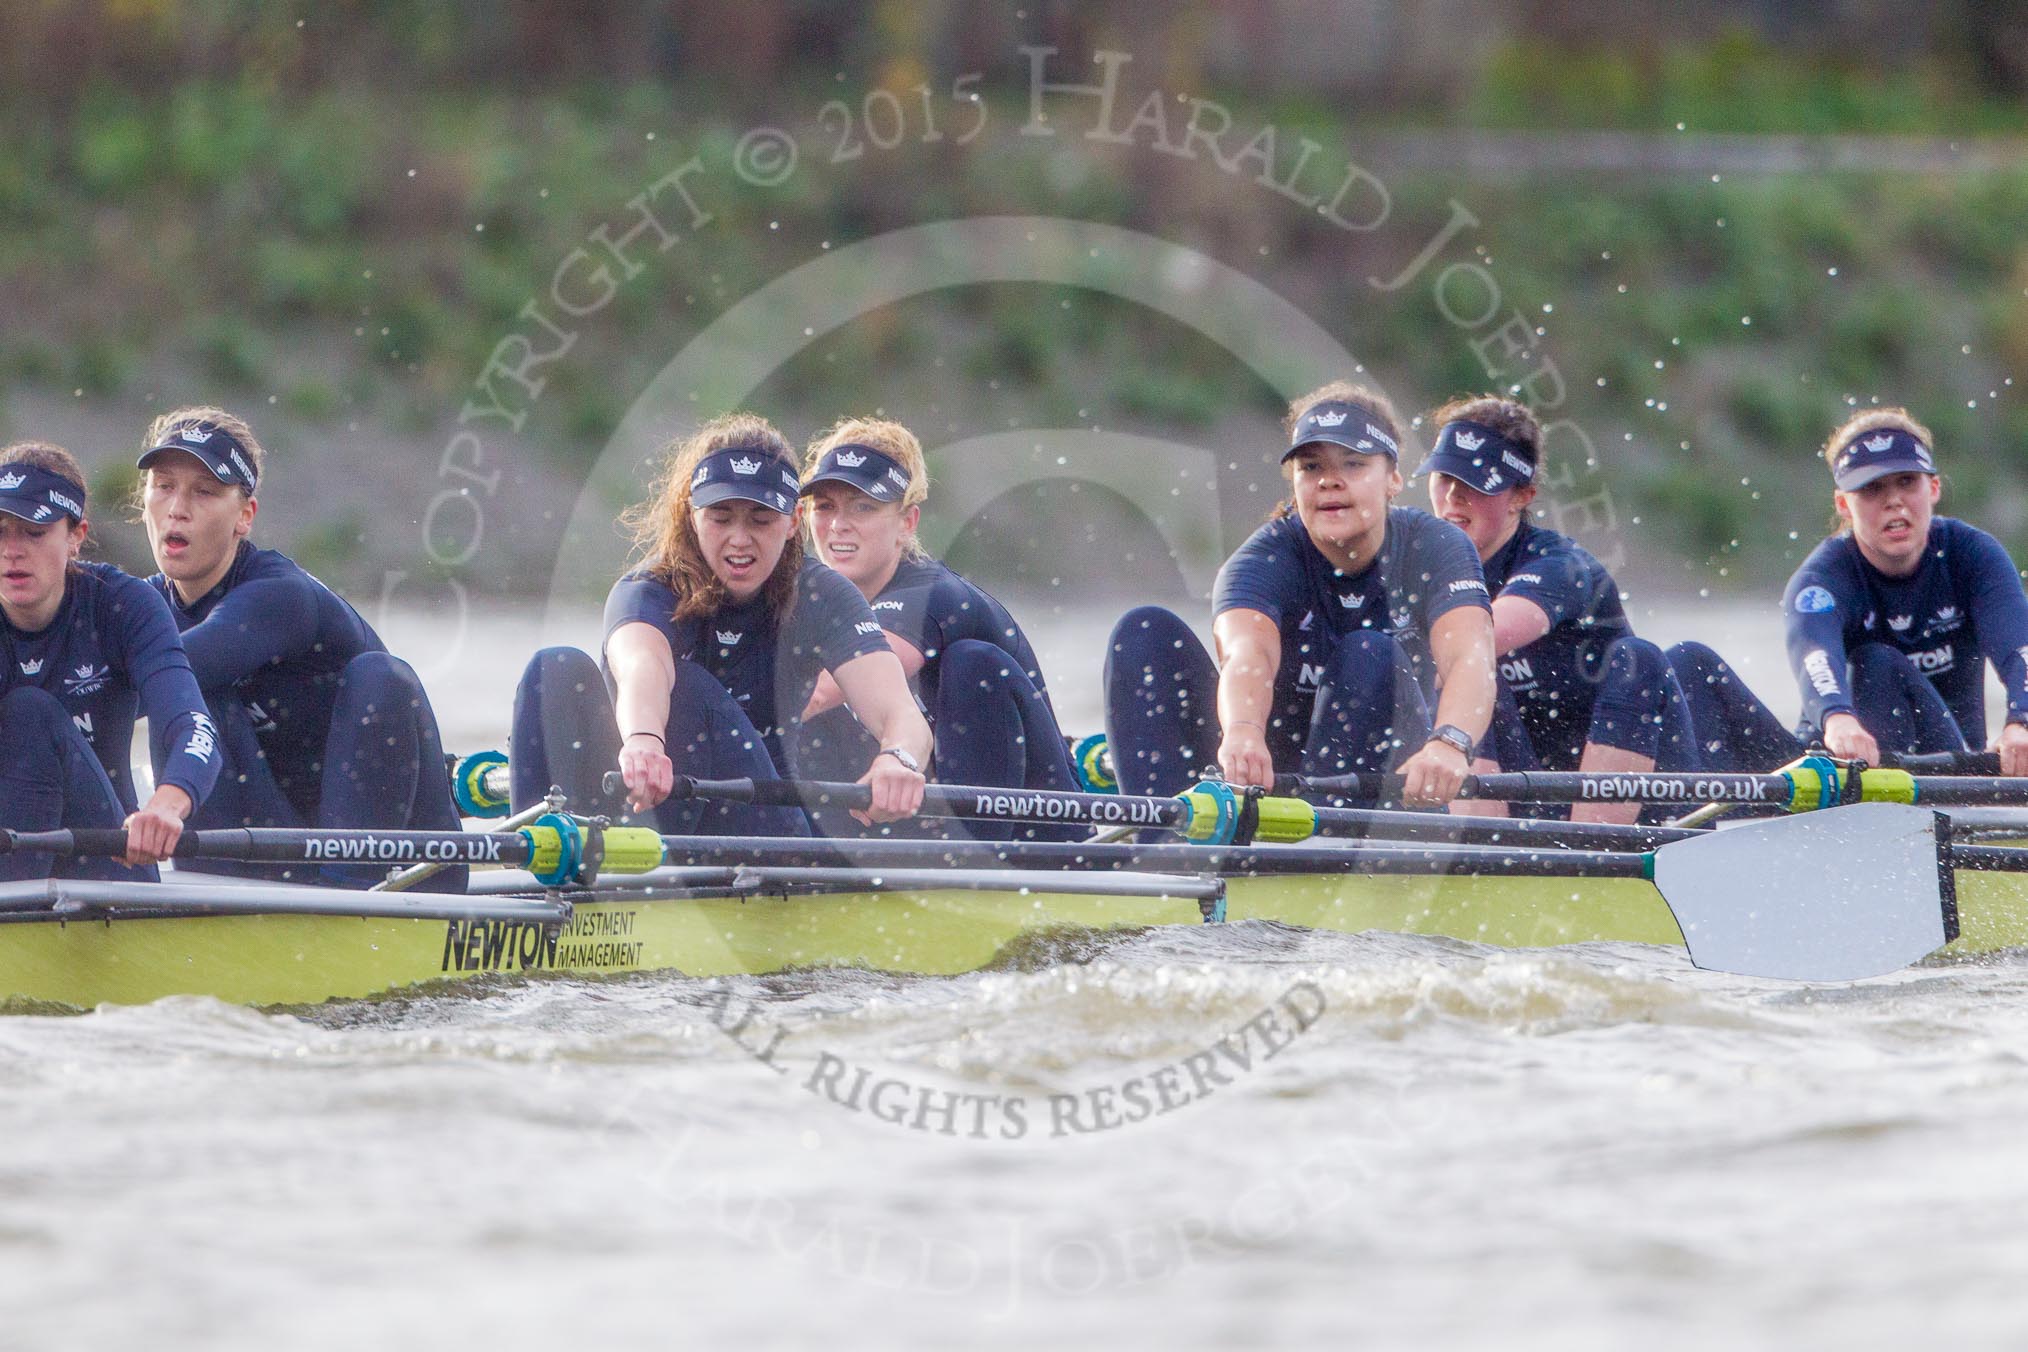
[
  {"x": 1211, "y": 813},
  {"x": 1815, "y": 783},
  {"x": 1845, "y": 895},
  {"x": 1985, "y": 763}
]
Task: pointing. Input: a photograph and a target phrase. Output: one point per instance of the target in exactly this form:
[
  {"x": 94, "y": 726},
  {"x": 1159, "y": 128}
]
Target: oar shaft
[
  {"x": 278, "y": 845},
  {"x": 950, "y": 800},
  {"x": 1561, "y": 786}
]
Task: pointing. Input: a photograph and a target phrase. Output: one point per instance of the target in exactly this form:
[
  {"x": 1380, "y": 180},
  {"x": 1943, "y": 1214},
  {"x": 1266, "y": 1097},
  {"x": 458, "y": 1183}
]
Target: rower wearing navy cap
[
  {"x": 84, "y": 650},
  {"x": 714, "y": 643},
  {"x": 1578, "y": 690},
  {"x": 1333, "y": 624},
  {"x": 975, "y": 673},
  {"x": 1891, "y": 623},
  {"x": 318, "y": 724}
]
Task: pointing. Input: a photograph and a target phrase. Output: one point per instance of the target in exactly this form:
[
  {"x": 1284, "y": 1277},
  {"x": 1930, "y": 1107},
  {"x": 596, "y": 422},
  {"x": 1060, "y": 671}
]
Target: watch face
[{"x": 901, "y": 754}]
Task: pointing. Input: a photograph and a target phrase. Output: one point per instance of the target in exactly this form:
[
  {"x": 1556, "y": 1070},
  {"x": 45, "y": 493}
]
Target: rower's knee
[
  {"x": 1695, "y": 662},
  {"x": 379, "y": 684},
  {"x": 31, "y": 720},
  {"x": 1142, "y": 638},
  {"x": 1880, "y": 662},
  {"x": 569, "y": 671},
  {"x": 972, "y": 667},
  {"x": 1637, "y": 662}
]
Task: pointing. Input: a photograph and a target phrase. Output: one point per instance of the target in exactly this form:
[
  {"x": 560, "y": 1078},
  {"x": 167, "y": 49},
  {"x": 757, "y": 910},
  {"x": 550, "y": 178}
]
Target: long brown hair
[{"x": 666, "y": 538}]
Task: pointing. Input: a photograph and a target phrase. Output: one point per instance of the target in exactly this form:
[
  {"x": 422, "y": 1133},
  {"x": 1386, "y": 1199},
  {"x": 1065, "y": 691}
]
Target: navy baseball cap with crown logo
[
  {"x": 745, "y": 474},
  {"x": 1480, "y": 458},
  {"x": 1877, "y": 454},
  {"x": 1343, "y": 423},
  {"x": 215, "y": 448},
  {"x": 38, "y": 495},
  {"x": 876, "y": 474}
]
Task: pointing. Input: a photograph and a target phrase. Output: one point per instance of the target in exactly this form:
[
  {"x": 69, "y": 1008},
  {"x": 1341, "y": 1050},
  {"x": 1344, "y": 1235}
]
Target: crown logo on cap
[
  {"x": 1880, "y": 443},
  {"x": 12, "y": 481},
  {"x": 1467, "y": 441},
  {"x": 194, "y": 434},
  {"x": 851, "y": 459},
  {"x": 1329, "y": 419},
  {"x": 746, "y": 467}
]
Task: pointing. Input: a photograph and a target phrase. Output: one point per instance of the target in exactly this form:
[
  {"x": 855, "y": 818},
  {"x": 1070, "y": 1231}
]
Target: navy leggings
[
  {"x": 565, "y": 735},
  {"x": 1738, "y": 733},
  {"x": 993, "y": 728},
  {"x": 1638, "y": 707},
  {"x": 50, "y": 778},
  {"x": 1162, "y": 707},
  {"x": 382, "y": 768}
]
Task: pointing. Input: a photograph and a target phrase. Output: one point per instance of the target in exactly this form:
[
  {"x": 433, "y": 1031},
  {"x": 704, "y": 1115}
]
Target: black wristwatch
[{"x": 1450, "y": 734}]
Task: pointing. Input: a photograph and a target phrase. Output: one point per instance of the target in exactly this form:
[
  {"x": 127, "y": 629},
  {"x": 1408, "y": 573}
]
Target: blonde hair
[
  {"x": 892, "y": 440},
  {"x": 166, "y": 427},
  {"x": 1342, "y": 392},
  {"x": 666, "y": 537}
]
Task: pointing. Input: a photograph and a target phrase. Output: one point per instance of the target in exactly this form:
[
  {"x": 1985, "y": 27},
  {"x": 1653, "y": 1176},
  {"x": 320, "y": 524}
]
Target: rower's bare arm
[
  {"x": 1461, "y": 645},
  {"x": 827, "y": 695},
  {"x": 1517, "y": 622},
  {"x": 878, "y": 695},
  {"x": 644, "y": 674},
  {"x": 1249, "y": 650}
]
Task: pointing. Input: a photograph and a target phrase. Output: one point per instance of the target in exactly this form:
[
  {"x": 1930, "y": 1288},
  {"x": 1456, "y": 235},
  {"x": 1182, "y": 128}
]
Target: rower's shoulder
[
  {"x": 1411, "y": 528},
  {"x": 1945, "y": 531},
  {"x": 97, "y": 578}
]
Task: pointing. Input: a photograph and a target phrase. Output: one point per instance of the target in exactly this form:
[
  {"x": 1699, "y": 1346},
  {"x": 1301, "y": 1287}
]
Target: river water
[{"x": 1201, "y": 1137}]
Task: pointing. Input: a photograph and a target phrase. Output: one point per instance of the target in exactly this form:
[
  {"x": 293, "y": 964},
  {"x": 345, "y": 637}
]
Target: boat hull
[{"x": 300, "y": 959}]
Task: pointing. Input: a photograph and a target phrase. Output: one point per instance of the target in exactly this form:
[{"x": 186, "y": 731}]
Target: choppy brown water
[{"x": 1451, "y": 1146}]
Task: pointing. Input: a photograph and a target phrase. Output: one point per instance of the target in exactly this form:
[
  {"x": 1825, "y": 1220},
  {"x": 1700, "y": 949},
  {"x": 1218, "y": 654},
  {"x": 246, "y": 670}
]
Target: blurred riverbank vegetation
[{"x": 332, "y": 214}]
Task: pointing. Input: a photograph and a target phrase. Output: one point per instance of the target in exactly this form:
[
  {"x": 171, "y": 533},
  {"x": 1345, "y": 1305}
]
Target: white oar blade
[{"x": 1837, "y": 895}]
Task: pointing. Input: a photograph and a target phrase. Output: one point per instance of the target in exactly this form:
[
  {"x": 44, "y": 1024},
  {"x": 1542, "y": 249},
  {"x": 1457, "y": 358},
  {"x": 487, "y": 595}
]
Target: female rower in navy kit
[
  {"x": 319, "y": 725},
  {"x": 1887, "y": 623},
  {"x": 86, "y": 650},
  {"x": 714, "y": 644},
  {"x": 1579, "y": 691},
  {"x": 974, "y": 669},
  {"x": 1331, "y": 621}
]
